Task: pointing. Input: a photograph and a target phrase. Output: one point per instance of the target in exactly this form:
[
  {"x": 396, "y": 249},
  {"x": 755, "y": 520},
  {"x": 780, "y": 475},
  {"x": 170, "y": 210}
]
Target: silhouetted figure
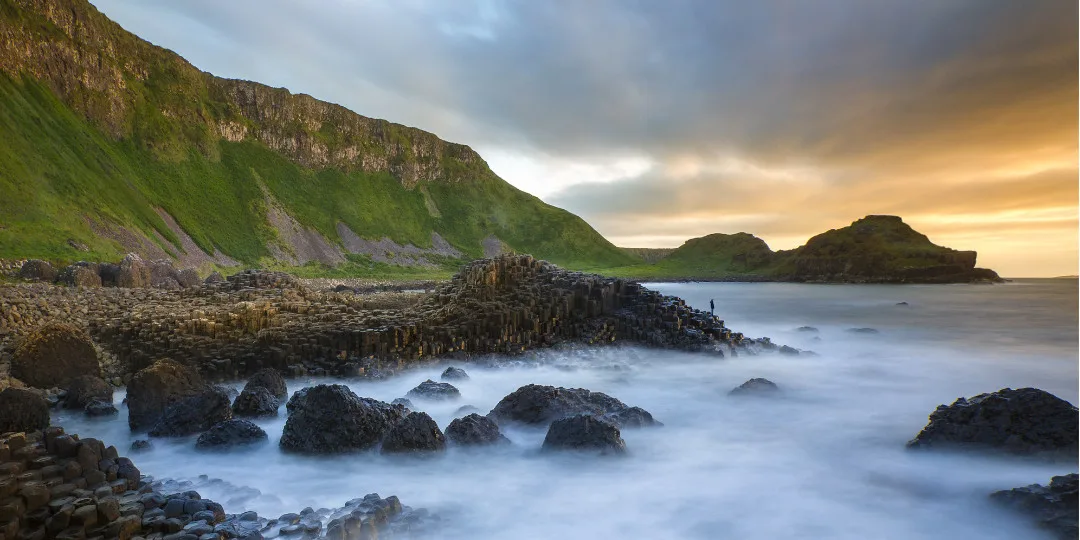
[{"x": 712, "y": 307}]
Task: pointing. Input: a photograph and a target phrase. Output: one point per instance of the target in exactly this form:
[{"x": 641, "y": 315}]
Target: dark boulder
[
  {"x": 22, "y": 410},
  {"x": 327, "y": 419},
  {"x": 188, "y": 278},
  {"x": 53, "y": 355},
  {"x": 255, "y": 402},
  {"x": 417, "y": 432},
  {"x": 436, "y": 391},
  {"x": 454, "y": 374},
  {"x": 99, "y": 407},
  {"x": 152, "y": 389},
  {"x": 810, "y": 329},
  {"x": 863, "y": 330},
  {"x": 584, "y": 432},
  {"x": 536, "y": 404},
  {"x": 271, "y": 380},
  {"x": 109, "y": 274},
  {"x": 38, "y": 270},
  {"x": 755, "y": 386},
  {"x": 464, "y": 410},
  {"x": 141, "y": 445},
  {"x": 194, "y": 414},
  {"x": 80, "y": 274},
  {"x": 86, "y": 388},
  {"x": 630, "y": 417},
  {"x": 789, "y": 351},
  {"x": 1052, "y": 508},
  {"x": 230, "y": 434},
  {"x": 1027, "y": 421},
  {"x": 474, "y": 430}
]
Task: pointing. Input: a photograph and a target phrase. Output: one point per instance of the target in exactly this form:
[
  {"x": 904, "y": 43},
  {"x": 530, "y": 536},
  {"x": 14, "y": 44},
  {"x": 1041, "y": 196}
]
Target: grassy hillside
[{"x": 98, "y": 125}]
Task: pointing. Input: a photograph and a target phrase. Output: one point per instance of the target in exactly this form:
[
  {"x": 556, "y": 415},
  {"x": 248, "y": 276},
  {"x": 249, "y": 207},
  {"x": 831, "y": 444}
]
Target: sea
[{"x": 823, "y": 458}]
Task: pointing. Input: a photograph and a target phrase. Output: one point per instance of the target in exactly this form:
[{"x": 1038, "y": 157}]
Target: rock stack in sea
[{"x": 255, "y": 320}]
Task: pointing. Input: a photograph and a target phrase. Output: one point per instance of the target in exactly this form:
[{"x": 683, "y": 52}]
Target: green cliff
[{"x": 109, "y": 144}]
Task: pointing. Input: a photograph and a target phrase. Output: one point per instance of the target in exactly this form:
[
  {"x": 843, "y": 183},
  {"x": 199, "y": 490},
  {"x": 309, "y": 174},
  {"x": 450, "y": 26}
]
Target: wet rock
[
  {"x": 755, "y": 386},
  {"x": 474, "y": 430},
  {"x": 38, "y": 270},
  {"x": 630, "y": 417},
  {"x": 53, "y": 355},
  {"x": 141, "y": 445},
  {"x": 194, "y": 414},
  {"x": 153, "y": 389},
  {"x": 454, "y": 374},
  {"x": 788, "y": 351},
  {"x": 86, "y": 388},
  {"x": 435, "y": 391},
  {"x": 271, "y": 380},
  {"x": 417, "y": 432},
  {"x": 863, "y": 330},
  {"x": 255, "y": 402},
  {"x": 537, "y": 404},
  {"x": 1052, "y": 508},
  {"x": 328, "y": 419},
  {"x": 464, "y": 410},
  {"x": 134, "y": 272},
  {"x": 404, "y": 402},
  {"x": 584, "y": 432},
  {"x": 809, "y": 329},
  {"x": 231, "y": 434},
  {"x": 22, "y": 410},
  {"x": 99, "y": 407},
  {"x": 1027, "y": 421}
]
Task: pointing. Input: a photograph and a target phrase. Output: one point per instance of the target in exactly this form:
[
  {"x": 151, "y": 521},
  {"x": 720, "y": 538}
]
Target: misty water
[{"x": 824, "y": 459}]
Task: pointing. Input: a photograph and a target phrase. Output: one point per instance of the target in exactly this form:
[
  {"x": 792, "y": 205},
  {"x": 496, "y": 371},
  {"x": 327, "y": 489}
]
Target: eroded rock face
[
  {"x": 1052, "y": 508},
  {"x": 194, "y": 414},
  {"x": 231, "y": 434},
  {"x": 454, "y": 374},
  {"x": 271, "y": 380},
  {"x": 1026, "y": 421},
  {"x": 22, "y": 410},
  {"x": 255, "y": 402},
  {"x": 154, "y": 388},
  {"x": 435, "y": 391},
  {"x": 474, "y": 430},
  {"x": 328, "y": 419},
  {"x": 755, "y": 386},
  {"x": 537, "y": 404},
  {"x": 417, "y": 432},
  {"x": 86, "y": 388},
  {"x": 584, "y": 433},
  {"x": 54, "y": 355}
]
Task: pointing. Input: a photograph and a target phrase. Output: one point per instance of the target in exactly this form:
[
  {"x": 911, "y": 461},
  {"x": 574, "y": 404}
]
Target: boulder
[
  {"x": 271, "y": 380},
  {"x": 1053, "y": 508},
  {"x": 435, "y": 391},
  {"x": 53, "y": 355},
  {"x": 214, "y": 277},
  {"x": 99, "y": 407},
  {"x": 141, "y": 445},
  {"x": 109, "y": 274},
  {"x": 38, "y": 270},
  {"x": 810, "y": 329},
  {"x": 863, "y": 330},
  {"x": 86, "y": 388},
  {"x": 133, "y": 273},
  {"x": 255, "y": 402},
  {"x": 755, "y": 386},
  {"x": 230, "y": 434},
  {"x": 152, "y": 389},
  {"x": 188, "y": 278},
  {"x": 403, "y": 402},
  {"x": 163, "y": 275},
  {"x": 194, "y": 414},
  {"x": 327, "y": 419},
  {"x": 417, "y": 432},
  {"x": 464, "y": 410},
  {"x": 630, "y": 417},
  {"x": 1027, "y": 421},
  {"x": 474, "y": 430},
  {"x": 454, "y": 374},
  {"x": 23, "y": 410},
  {"x": 80, "y": 274},
  {"x": 536, "y": 404},
  {"x": 789, "y": 351},
  {"x": 584, "y": 432}
]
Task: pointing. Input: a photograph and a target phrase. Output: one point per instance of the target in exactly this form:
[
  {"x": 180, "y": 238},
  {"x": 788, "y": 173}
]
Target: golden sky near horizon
[{"x": 658, "y": 122}]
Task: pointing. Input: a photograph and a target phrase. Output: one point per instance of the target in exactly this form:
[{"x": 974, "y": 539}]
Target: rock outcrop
[
  {"x": 756, "y": 386},
  {"x": 1053, "y": 508},
  {"x": 537, "y": 404},
  {"x": 329, "y": 419},
  {"x": 153, "y": 389},
  {"x": 37, "y": 270},
  {"x": 434, "y": 391},
  {"x": 231, "y": 434},
  {"x": 584, "y": 433},
  {"x": 255, "y": 402},
  {"x": 474, "y": 430},
  {"x": 1026, "y": 421},
  {"x": 417, "y": 432},
  {"x": 86, "y": 388},
  {"x": 54, "y": 355},
  {"x": 272, "y": 381},
  {"x": 22, "y": 410},
  {"x": 454, "y": 374},
  {"x": 194, "y": 414}
]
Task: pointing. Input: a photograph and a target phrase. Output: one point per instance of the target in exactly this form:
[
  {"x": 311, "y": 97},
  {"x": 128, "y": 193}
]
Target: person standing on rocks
[{"x": 712, "y": 307}]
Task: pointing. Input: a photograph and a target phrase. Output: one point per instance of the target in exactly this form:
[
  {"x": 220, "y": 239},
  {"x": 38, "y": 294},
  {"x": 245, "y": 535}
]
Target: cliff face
[{"x": 113, "y": 144}]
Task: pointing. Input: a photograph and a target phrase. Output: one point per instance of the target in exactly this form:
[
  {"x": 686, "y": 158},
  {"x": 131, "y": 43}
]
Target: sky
[{"x": 661, "y": 121}]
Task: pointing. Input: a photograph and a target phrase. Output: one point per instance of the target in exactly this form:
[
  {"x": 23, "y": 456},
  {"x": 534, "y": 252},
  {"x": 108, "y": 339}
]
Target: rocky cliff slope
[
  {"x": 874, "y": 249},
  {"x": 109, "y": 144}
]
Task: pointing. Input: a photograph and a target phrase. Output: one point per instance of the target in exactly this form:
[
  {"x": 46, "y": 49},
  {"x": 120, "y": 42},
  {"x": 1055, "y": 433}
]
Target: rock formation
[
  {"x": 474, "y": 430},
  {"x": 1052, "y": 508},
  {"x": 584, "y": 433},
  {"x": 330, "y": 419},
  {"x": 538, "y": 405}
]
